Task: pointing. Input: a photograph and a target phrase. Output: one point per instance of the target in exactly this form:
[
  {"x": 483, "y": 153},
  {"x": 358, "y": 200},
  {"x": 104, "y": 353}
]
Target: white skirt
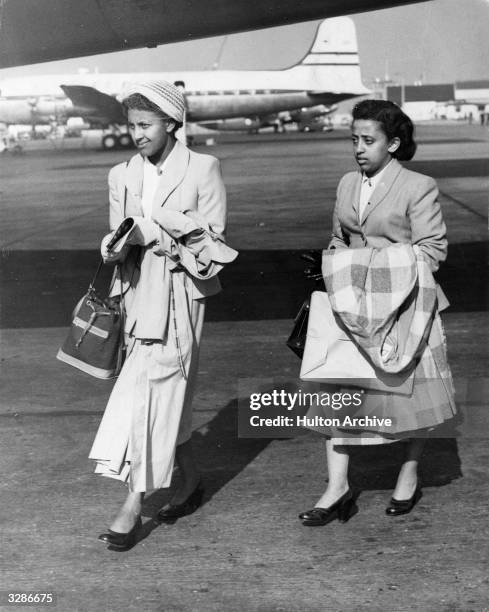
[{"x": 149, "y": 411}]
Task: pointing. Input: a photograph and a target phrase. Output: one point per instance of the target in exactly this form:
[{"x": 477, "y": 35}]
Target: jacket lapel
[
  {"x": 356, "y": 186},
  {"x": 383, "y": 188},
  {"x": 173, "y": 173},
  {"x": 134, "y": 186}
]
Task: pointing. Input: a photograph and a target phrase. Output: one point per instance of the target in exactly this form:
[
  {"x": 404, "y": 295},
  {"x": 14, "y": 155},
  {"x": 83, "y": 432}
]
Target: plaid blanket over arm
[{"x": 386, "y": 300}]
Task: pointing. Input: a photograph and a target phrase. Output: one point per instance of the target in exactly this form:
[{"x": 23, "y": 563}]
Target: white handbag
[{"x": 331, "y": 356}]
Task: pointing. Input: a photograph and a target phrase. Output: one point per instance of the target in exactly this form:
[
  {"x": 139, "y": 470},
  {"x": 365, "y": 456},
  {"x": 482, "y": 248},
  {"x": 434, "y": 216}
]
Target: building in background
[
  {"x": 461, "y": 101},
  {"x": 422, "y": 102},
  {"x": 474, "y": 93}
]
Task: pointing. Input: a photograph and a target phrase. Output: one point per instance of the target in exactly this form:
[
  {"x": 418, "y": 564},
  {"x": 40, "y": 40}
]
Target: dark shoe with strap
[
  {"x": 122, "y": 541},
  {"x": 343, "y": 509},
  {"x": 171, "y": 512},
  {"x": 397, "y": 507}
]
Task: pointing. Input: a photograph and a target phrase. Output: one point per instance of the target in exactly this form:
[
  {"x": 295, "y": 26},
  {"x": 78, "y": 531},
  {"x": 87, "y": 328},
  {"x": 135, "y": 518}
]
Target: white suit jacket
[{"x": 189, "y": 212}]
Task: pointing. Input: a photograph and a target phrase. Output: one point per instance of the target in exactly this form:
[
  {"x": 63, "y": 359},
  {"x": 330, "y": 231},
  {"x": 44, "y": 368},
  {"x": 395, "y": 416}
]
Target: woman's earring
[{"x": 394, "y": 146}]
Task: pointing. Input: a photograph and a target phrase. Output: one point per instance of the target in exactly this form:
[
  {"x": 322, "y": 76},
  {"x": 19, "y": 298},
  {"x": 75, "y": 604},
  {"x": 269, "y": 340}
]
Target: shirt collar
[
  {"x": 152, "y": 168},
  {"x": 374, "y": 180}
]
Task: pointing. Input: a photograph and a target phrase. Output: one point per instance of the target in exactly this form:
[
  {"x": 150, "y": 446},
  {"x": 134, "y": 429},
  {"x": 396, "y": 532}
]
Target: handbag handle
[
  {"x": 94, "y": 280},
  {"x": 101, "y": 262}
]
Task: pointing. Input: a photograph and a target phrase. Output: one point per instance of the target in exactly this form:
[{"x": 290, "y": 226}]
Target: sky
[{"x": 434, "y": 42}]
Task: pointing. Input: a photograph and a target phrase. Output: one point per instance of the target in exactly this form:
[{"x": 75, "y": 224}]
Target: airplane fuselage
[
  {"x": 211, "y": 94},
  {"x": 33, "y": 110},
  {"x": 316, "y": 79},
  {"x": 202, "y": 107}
]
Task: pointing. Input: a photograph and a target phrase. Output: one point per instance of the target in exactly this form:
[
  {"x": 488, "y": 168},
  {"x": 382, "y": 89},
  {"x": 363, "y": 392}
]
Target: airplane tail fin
[
  {"x": 332, "y": 63},
  {"x": 94, "y": 105}
]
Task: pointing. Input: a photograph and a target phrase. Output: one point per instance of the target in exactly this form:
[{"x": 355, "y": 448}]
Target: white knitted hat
[{"x": 166, "y": 96}]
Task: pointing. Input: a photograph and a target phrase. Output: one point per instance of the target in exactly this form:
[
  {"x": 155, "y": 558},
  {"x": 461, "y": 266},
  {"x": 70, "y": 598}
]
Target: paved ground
[{"x": 244, "y": 550}]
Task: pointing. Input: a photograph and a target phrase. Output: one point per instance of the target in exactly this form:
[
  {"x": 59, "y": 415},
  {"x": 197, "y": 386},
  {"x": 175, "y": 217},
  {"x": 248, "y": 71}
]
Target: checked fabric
[{"x": 386, "y": 299}]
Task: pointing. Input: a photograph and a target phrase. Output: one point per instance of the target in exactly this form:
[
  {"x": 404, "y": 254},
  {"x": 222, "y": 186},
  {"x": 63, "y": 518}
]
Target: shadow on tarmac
[
  {"x": 376, "y": 467},
  {"x": 222, "y": 456},
  {"x": 60, "y": 277},
  {"x": 451, "y": 168}
]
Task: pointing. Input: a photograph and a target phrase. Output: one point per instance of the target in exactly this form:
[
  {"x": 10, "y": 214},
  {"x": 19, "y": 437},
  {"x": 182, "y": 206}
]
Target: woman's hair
[
  {"x": 137, "y": 101},
  {"x": 395, "y": 124}
]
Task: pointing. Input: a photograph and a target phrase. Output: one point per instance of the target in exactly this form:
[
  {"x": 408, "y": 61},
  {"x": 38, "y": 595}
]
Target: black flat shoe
[
  {"x": 403, "y": 506},
  {"x": 171, "y": 512},
  {"x": 122, "y": 541},
  {"x": 343, "y": 509}
]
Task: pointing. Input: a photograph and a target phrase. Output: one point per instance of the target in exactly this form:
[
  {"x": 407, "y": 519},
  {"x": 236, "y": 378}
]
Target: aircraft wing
[
  {"x": 93, "y": 105},
  {"x": 33, "y": 31}
]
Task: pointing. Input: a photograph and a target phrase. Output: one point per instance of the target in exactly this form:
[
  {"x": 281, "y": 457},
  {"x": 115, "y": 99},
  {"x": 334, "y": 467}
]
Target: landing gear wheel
[{"x": 109, "y": 142}]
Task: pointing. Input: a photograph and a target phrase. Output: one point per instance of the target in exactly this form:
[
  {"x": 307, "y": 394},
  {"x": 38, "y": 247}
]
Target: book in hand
[
  {"x": 124, "y": 228},
  {"x": 133, "y": 231}
]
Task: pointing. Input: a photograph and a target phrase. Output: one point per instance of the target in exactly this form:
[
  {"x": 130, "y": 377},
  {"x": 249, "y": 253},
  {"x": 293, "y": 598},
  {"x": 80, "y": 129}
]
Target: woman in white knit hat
[{"x": 169, "y": 263}]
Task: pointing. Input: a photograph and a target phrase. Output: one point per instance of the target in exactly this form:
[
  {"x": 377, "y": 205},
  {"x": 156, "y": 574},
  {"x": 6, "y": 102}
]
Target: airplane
[
  {"x": 311, "y": 119},
  {"x": 328, "y": 74},
  {"x": 33, "y": 31}
]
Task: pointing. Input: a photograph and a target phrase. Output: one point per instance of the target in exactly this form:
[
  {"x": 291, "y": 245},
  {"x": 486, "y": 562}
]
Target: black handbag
[
  {"x": 95, "y": 342},
  {"x": 297, "y": 339}
]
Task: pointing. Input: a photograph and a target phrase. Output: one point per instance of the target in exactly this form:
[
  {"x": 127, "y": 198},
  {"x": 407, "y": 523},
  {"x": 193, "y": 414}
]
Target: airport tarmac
[{"x": 245, "y": 549}]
